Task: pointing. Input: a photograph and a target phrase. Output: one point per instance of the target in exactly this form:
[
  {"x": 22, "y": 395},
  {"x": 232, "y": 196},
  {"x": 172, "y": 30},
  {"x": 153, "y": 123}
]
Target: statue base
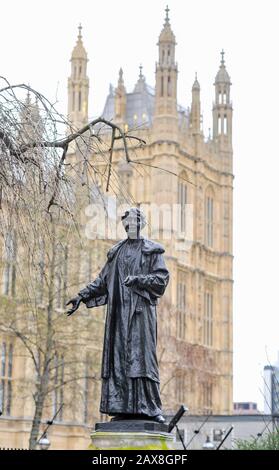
[{"x": 131, "y": 435}]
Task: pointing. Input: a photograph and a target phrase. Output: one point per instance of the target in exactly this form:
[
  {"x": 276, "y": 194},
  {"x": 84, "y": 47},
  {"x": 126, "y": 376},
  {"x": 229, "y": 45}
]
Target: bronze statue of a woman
[{"x": 130, "y": 283}]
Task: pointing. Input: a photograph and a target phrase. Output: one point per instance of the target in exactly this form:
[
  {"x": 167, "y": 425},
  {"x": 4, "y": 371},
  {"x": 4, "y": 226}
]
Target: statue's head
[{"x": 133, "y": 221}]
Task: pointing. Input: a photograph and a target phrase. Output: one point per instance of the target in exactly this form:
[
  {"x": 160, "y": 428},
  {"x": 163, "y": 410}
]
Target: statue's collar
[{"x": 148, "y": 247}]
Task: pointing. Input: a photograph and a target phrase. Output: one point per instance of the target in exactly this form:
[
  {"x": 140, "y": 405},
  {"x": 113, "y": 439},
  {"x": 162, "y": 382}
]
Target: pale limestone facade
[
  {"x": 179, "y": 166},
  {"x": 176, "y": 166}
]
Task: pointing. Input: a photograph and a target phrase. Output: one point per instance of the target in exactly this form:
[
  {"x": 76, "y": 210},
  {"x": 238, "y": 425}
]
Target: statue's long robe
[{"x": 130, "y": 376}]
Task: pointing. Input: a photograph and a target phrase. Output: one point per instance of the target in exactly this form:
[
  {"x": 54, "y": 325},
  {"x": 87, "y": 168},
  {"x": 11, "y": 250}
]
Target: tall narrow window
[
  {"x": 207, "y": 396},
  {"x": 41, "y": 272},
  {"x": 224, "y": 97},
  {"x": 65, "y": 275},
  {"x": 220, "y": 97},
  {"x": 79, "y": 100},
  {"x": 180, "y": 388},
  {"x": 169, "y": 85},
  {"x": 61, "y": 275},
  {"x": 181, "y": 306},
  {"x": 208, "y": 319},
  {"x": 73, "y": 101},
  {"x": 219, "y": 125},
  {"x": 86, "y": 392},
  {"x": 225, "y": 125},
  {"x": 9, "y": 272},
  {"x": 182, "y": 202},
  {"x": 6, "y": 378},
  {"x": 209, "y": 225},
  {"x": 125, "y": 176},
  {"x": 58, "y": 382},
  {"x": 162, "y": 86}
]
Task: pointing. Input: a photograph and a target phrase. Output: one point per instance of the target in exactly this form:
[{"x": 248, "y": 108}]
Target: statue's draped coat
[{"x": 131, "y": 325}]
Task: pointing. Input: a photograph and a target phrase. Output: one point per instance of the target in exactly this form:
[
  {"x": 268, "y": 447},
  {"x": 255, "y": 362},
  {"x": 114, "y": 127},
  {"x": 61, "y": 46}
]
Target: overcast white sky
[{"x": 36, "y": 40}]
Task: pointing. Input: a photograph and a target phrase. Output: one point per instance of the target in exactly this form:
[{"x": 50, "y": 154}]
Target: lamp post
[
  {"x": 44, "y": 442},
  {"x": 208, "y": 445}
]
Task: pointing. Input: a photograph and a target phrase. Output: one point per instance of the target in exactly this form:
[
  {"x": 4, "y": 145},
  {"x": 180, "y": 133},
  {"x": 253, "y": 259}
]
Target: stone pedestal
[{"x": 131, "y": 435}]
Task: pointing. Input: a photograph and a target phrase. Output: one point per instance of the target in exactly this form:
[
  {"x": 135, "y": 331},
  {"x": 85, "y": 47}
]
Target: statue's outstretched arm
[{"x": 93, "y": 289}]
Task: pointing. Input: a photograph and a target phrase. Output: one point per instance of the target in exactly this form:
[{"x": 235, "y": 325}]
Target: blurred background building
[{"x": 178, "y": 167}]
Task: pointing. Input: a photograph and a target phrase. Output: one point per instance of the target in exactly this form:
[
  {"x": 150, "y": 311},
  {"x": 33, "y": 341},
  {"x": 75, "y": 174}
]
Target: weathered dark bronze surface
[{"x": 131, "y": 282}]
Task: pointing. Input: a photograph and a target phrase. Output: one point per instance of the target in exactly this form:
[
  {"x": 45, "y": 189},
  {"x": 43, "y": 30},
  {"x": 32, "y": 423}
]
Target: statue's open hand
[
  {"x": 130, "y": 281},
  {"x": 75, "y": 301}
]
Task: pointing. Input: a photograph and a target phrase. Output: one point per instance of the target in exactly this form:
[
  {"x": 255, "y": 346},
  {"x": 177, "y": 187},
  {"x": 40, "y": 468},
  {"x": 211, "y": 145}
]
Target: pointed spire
[
  {"x": 78, "y": 84},
  {"x": 196, "y": 107},
  {"x": 165, "y": 109},
  {"x": 140, "y": 85},
  {"x": 222, "y": 75},
  {"x": 222, "y": 106},
  {"x": 79, "y": 51},
  {"x": 167, "y": 20},
  {"x": 196, "y": 85},
  {"x": 79, "y": 32},
  {"x": 120, "y": 99},
  {"x": 120, "y": 77},
  {"x": 166, "y": 33}
]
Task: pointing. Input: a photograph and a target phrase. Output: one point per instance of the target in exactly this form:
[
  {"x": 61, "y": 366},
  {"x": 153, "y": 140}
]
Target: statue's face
[{"x": 131, "y": 223}]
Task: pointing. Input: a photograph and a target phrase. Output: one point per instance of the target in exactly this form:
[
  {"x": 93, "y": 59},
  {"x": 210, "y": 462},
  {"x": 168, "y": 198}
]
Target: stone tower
[
  {"x": 165, "y": 110},
  {"x": 196, "y": 108},
  {"x": 120, "y": 100},
  {"x": 178, "y": 176},
  {"x": 78, "y": 85},
  {"x": 222, "y": 114}
]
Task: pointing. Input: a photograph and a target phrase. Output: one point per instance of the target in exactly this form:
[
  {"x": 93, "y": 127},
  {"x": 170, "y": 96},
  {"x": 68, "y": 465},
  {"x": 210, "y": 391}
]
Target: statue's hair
[{"x": 135, "y": 211}]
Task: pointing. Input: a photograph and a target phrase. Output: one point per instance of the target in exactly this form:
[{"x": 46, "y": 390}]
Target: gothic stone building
[{"x": 177, "y": 168}]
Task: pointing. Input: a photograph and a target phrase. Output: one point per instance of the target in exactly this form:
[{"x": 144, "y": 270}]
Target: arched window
[
  {"x": 208, "y": 319},
  {"x": 181, "y": 306},
  {"x": 219, "y": 124},
  {"x": 58, "y": 379},
  {"x": 163, "y": 55},
  {"x": 180, "y": 388},
  {"x": 73, "y": 101},
  {"x": 224, "y": 97},
  {"x": 182, "y": 202},
  {"x": 220, "y": 97},
  {"x": 207, "y": 397},
  {"x": 169, "y": 85},
  {"x": 225, "y": 125},
  {"x": 79, "y": 100},
  {"x": 209, "y": 219},
  {"x": 61, "y": 275},
  {"x": 10, "y": 258},
  {"x": 6, "y": 378},
  {"x": 125, "y": 179}
]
